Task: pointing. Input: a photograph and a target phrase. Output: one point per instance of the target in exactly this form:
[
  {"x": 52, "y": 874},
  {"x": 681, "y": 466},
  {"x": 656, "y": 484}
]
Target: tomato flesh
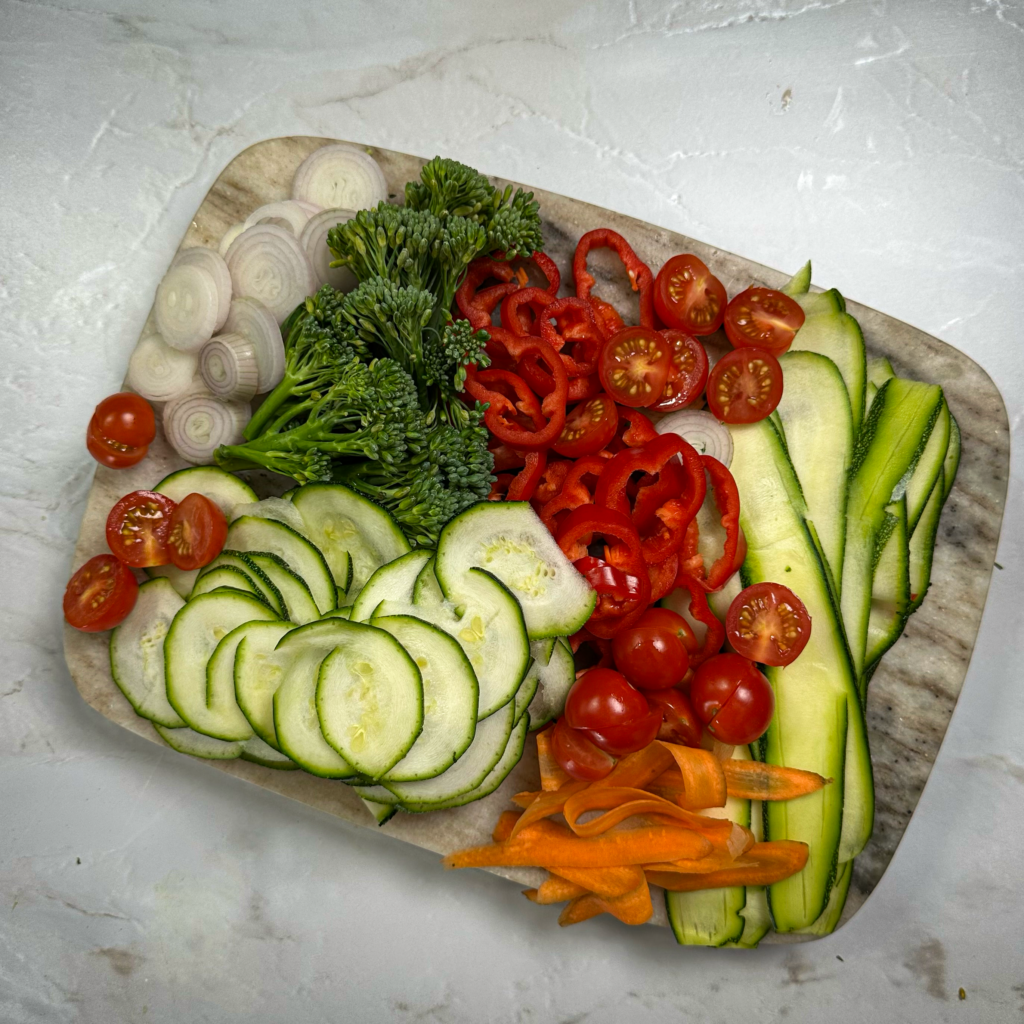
[
  {"x": 588, "y": 428},
  {"x": 650, "y": 657},
  {"x": 732, "y": 698},
  {"x": 576, "y": 755},
  {"x": 138, "y": 527},
  {"x": 111, "y": 454},
  {"x": 197, "y": 534},
  {"x": 100, "y": 595},
  {"x": 687, "y": 373},
  {"x": 634, "y": 365},
  {"x": 680, "y": 723},
  {"x": 688, "y": 297},
  {"x": 126, "y": 418},
  {"x": 763, "y": 318},
  {"x": 768, "y": 623},
  {"x": 745, "y": 386},
  {"x": 602, "y": 699},
  {"x": 620, "y": 740}
]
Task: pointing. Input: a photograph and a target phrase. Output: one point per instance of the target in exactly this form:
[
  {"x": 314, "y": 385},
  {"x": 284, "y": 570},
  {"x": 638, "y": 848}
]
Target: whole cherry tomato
[
  {"x": 763, "y": 318},
  {"x": 601, "y": 699},
  {"x": 576, "y": 755},
  {"x": 620, "y": 740},
  {"x": 768, "y": 623},
  {"x": 744, "y": 386},
  {"x": 197, "y": 534},
  {"x": 732, "y": 698},
  {"x": 668, "y": 619},
  {"x": 688, "y": 297},
  {"x": 650, "y": 657},
  {"x": 680, "y": 723},
  {"x": 127, "y": 419},
  {"x": 138, "y": 527},
  {"x": 100, "y": 595}
]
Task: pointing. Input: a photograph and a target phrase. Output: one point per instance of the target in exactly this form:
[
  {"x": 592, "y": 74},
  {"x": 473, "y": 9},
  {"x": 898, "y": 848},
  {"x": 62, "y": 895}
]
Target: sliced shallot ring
[
  {"x": 339, "y": 176},
  {"x": 199, "y": 256},
  {"x": 228, "y": 367},
  {"x": 268, "y": 264},
  {"x": 187, "y": 306},
  {"x": 229, "y": 236},
  {"x": 158, "y": 372},
  {"x": 700, "y": 429},
  {"x": 314, "y": 240},
  {"x": 250, "y": 318},
  {"x": 196, "y": 424},
  {"x": 288, "y": 214}
]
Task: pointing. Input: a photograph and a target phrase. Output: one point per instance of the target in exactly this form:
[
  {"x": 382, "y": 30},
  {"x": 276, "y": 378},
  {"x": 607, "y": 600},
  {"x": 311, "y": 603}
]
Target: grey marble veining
[{"x": 912, "y": 694}]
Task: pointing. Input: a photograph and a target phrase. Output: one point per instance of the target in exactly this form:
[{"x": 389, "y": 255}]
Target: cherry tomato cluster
[
  {"x": 121, "y": 430},
  {"x": 144, "y": 529}
]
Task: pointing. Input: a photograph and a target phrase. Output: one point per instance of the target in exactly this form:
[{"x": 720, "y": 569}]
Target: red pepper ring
[
  {"x": 547, "y": 266},
  {"x": 574, "y": 491},
  {"x": 478, "y": 272},
  {"x": 606, "y": 579},
  {"x": 524, "y": 484},
  {"x": 635, "y": 430},
  {"x": 663, "y": 576},
  {"x": 516, "y": 310},
  {"x": 551, "y": 481},
  {"x": 700, "y": 612},
  {"x": 579, "y": 329},
  {"x": 640, "y": 275},
  {"x": 607, "y": 316},
  {"x": 622, "y": 551},
  {"x": 726, "y": 498}
]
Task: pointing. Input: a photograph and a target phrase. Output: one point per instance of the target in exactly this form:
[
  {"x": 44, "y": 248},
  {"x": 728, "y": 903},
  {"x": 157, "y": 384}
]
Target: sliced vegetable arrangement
[{"x": 677, "y": 548}]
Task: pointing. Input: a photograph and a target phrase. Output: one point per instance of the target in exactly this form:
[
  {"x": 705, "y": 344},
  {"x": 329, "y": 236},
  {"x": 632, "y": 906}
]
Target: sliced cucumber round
[
  {"x": 229, "y": 577},
  {"x": 298, "y": 602},
  {"x": 183, "y": 580},
  {"x": 450, "y": 698},
  {"x": 509, "y": 540},
  {"x": 257, "y": 674},
  {"x": 237, "y": 560},
  {"x": 555, "y": 681},
  {"x": 369, "y": 698},
  {"x": 255, "y": 750},
  {"x": 137, "y": 652},
  {"x": 188, "y": 741},
  {"x": 393, "y": 583},
  {"x": 527, "y": 690},
  {"x": 224, "y": 489}
]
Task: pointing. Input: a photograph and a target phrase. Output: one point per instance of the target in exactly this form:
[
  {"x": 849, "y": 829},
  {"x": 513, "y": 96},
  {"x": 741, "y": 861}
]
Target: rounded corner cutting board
[{"x": 912, "y": 694}]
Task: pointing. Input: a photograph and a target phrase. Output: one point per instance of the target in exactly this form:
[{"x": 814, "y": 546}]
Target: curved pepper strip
[
  {"x": 640, "y": 275},
  {"x": 552, "y": 480},
  {"x": 663, "y": 577},
  {"x": 635, "y": 430},
  {"x": 522, "y": 423},
  {"x": 505, "y": 458},
  {"x": 574, "y": 491},
  {"x": 622, "y": 551},
  {"x": 607, "y": 316},
  {"x": 547, "y": 266},
  {"x": 583, "y": 388},
  {"x": 699, "y": 610},
  {"x": 524, "y": 485},
  {"x": 600, "y": 644},
  {"x": 579, "y": 329},
  {"x": 726, "y": 497},
  {"x": 516, "y": 310},
  {"x": 478, "y": 272}
]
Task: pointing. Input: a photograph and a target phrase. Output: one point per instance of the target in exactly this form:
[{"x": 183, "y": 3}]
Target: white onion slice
[
  {"x": 314, "y": 240},
  {"x": 196, "y": 424},
  {"x": 254, "y": 321},
  {"x": 198, "y": 256},
  {"x": 187, "y": 307},
  {"x": 268, "y": 264},
  {"x": 310, "y": 208},
  {"x": 289, "y": 214},
  {"x": 702, "y": 430},
  {"x": 228, "y": 367},
  {"x": 229, "y": 236},
  {"x": 340, "y": 176},
  {"x": 158, "y": 372}
]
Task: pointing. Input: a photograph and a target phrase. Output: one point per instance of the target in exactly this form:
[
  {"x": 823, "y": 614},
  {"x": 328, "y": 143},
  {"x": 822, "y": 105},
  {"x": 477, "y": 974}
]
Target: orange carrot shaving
[
  {"x": 755, "y": 780},
  {"x": 636, "y": 770},
  {"x": 506, "y": 822},
  {"x": 634, "y": 846},
  {"x": 604, "y": 881},
  {"x": 717, "y": 860},
  {"x": 765, "y": 864},
  {"x": 551, "y": 774},
  {"x": 547, "y": 804},
  {"x": 583, "y": 908},
  {"x": 555, "y": 890},
  {"x": 621, "y": 803},
  {"x": 631, "y": 908},
  {"x": 525, "y": 799},
  {"x": 702, "y": 773}
]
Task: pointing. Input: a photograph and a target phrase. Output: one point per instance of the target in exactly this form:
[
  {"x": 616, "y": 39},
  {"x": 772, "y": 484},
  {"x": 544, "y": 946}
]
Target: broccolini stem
[{"x": 270, "y": 405}]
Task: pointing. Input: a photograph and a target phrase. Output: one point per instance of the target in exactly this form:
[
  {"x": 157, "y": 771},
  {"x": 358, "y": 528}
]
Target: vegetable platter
[{"x": 913, "y": 689}]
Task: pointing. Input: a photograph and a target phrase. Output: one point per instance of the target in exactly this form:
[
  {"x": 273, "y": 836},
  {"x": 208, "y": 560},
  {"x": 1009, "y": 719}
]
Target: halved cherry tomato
[
  {"x": 620, "y": 740},
  {"x": 634, "y": 366},
  {"x": 687, "y": 372},
  {"x": 127, "y": 419},
  {"x": 110, "y": 453},
  {"x": 198, "y": 531},
  {"x": 688, "y": 297},
  {"x": 768, "y": 623},
  {"x": 588, "y": 428},
  {"x": 763, "y": 318},
  {"x": 665, "y": 618},
  {"x": 601, "y": 699},
  {"x": 680, "y": 723},
  {"x": 732, "y": 698},
  {"x": 650, "y": 657},
  {"x": 138, "y": 527},
  {"x": 745, "y": 386},
  {"x": 576, "y": 755},
  {"x": 100, "y": 595}
]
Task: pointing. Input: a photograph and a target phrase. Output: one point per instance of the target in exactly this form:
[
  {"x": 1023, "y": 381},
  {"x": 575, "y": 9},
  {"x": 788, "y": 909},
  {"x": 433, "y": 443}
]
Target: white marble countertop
[{"x": 885, "y": 140}]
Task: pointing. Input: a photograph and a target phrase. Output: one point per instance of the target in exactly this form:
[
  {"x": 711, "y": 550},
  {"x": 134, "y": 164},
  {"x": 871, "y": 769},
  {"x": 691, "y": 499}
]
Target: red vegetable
[
  {"x": 714, "y": 636},
  {"x": 100, "y": 594},
  {"x": 588, "y": 428},
  {"x": 513, "y": 415},
  {"x": 125, "y": 419},
  {"x": 607, "y": 316},
  {"x": 688, "y": 296},
  {"x": 687, "y": 372},
  {"x": 138, "y": 527},
  {"x": 732, "y": 698},
  {"x": 763, "y": 318},
  {"x": 639, "y": 273},
  {"x": 577, "y": 338},
  {"x": 726, "y": 498},
  {"x": 466, "y": 298},
  {"x": 745, "y": 386},
  {"x": 769, "y": 624},
  {"x": 109, "y": 453},
  {"x": 524, "y": 484},
  {"x": 576, "y": 755},
  {"x": 634, "y": 366},
  {"x": 620, "y": 740},
  {"x": 521, "y": 311},
  {"x": 679, "y": 721},
  {"x": 197, "y": 534},
  {"x": 577, "y": 489},
  {"x": 650, "y": 657},
  {"x": 602, "y": 698}
]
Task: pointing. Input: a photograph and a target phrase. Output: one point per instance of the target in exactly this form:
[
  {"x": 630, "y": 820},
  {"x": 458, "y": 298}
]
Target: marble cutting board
[{"x": 913, "y": 692}]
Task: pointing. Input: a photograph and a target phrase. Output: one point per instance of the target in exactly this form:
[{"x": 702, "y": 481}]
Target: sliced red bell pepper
[
  {"x": 726, "y": 499},
  {"x": 583, "y": 388},
  {"x": 640, "y": 275},
  {"x": 547, "y": 266},
  {"x": 466, "y": 296},
  {"x": 499, "y": 487},
  {"x": 635, "y": 430},
  {"x": 603, "y": 647},
  {"x": 622, "y": 551},
  {"x": 552, "y": 479},
  {"x": 524, "y": 484},
  {"x": 521, "y": 311},
  {"x": 514, "y": 415},
  {"x": 700, "y": 612},
  {"x": 606, "y": 579},
  {"x": 579, "y": 343},
  {"x": 663, "y": 577},
  {"x": 577, "y": 489},
  {"x": 607, "y": 316}
]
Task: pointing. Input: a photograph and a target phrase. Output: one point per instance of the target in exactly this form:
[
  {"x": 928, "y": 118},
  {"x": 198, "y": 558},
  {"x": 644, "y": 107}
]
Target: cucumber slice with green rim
[
  {"x": 237, "y": 560},
  {"x": 183, "y": 580},
  {"x": 826, "y": 924},
  {"x": 224, "y": 489},
  {"x": 527, "y": 690},
  {"x": 508, "y": 540},
  {"x": 350, "y": 529},
  {"x": 257, "y": 674},
  {"x": 451, "y": 696},
  {"x": 427, "y": 591},
  {"x": 249, "y": 534},
  {"x": 799, "y": 283},
  {"x": 137, "y": 652},
  {"x": 511, "y": 756},
  {"x": 952, "y": 461},
  {"x": 296, "y": 724},
  {"x": 814, "y": 385},
  {"x": 486, "y": 750},
  {"x": 369, "y": 698},
  {"x": 298, "y": 602},
  {"x": 555, "y": 678},
  {"x": 339, "y": 613},
  {"x": 890, "y": 588},
  {"x": 193, "y": 637},
  {"x": 188, "y": 741},
  {"x": 255, "y": 750},
  {"x": 757, "y": 919},
  {"x": 928, "y": 468},
  {"x": 228, "y": 577},
  {"x": 879, "y": 371},
  {"x": 393, "y": 583},
  {"x": 382, "y": 813},
  {"x": 815, "y": 303}
]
